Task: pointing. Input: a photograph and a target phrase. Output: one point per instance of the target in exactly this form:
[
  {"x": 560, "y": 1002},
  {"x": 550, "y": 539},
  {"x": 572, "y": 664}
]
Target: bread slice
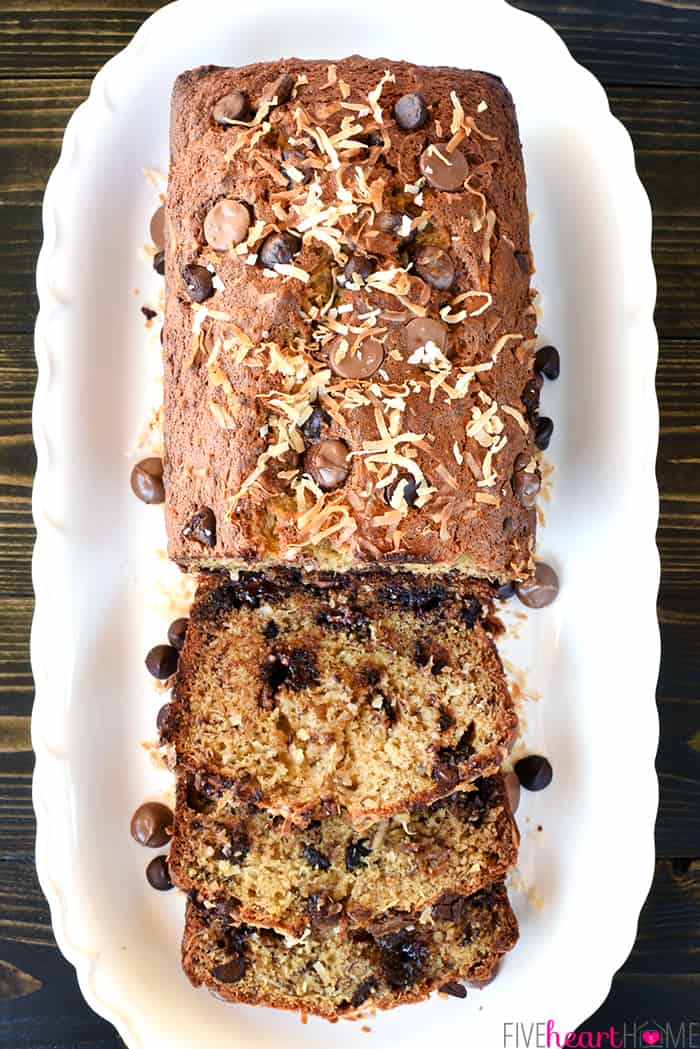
[
  {"x": 275, "y": 874},
  {"x": 363, "y": 694},
  {"x": 335, "y": 973}
]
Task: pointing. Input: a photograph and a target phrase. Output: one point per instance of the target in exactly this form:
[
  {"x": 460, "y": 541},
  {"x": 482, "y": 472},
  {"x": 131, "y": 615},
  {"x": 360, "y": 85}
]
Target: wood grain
[
  {"x": 623, "y": 42},
  {"x": 646, "y": 53}
]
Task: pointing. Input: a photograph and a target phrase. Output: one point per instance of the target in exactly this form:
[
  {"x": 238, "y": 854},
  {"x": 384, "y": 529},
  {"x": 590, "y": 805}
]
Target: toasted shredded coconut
[
  {"x": 518, "y": 416},
  {"x": 374, "y": 96}
]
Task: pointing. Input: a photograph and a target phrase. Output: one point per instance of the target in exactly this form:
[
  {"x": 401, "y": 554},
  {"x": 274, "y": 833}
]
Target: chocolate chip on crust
[{"x": 201, "y": 527}]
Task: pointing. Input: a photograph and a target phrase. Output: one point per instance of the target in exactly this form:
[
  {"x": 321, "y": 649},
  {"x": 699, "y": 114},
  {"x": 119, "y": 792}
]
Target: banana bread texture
[
  {"x": 365, "y": 693},
  {"x": 337, "y": 974},
  {"x": 276, "y": 874}
]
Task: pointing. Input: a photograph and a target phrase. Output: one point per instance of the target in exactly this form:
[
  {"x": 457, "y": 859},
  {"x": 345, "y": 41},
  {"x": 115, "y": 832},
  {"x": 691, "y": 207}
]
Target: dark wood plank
[
  {"x": 67, "y": 39},
  {"x": 628, "y": 41},
  {"x": 665, "y": 130},
  {"x": 668, "y": 939},
  {"x": 639, "y": 1000},
  {"x": 622, "y": 42}
]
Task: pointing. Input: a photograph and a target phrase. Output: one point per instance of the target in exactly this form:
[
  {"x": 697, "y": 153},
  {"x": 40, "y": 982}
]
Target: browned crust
[
  {"x": 507, "y": 836},
  {"x": 205, "y": 464},
  {"x": 505, "y": 938}
]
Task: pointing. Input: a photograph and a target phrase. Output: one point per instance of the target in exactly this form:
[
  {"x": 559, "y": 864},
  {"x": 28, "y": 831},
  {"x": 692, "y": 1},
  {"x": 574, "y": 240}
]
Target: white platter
[{"x": 593, "y": 659}]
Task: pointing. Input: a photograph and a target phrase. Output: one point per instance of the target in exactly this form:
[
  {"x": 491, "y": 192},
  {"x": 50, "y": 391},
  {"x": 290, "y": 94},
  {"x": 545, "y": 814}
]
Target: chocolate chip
[
  {"x": 403, "y": 956},
  {"x": 356, "y": 853},
  {"x": 454, "y": 757},
  {"x": 419, "y": 599},
  {"x": 439, "y": 664},
  {"x": 344, "y": 617},
  {"x": 421, "y": 331},
  {"x": 547, "y": 362},
  {"x": 157, "y": 228},
  {"x": 450, "y": 907},
  {"x": 311, "y": 429},
  {"x": 176, "y": 633},
  {"x": 411, "y": 112},
  {"x": 357, "y": 363},
  {"x": 371, "y": 138},
  {"x": 323, "y": 909},
  {"x": 197, "y": 799},
  {"x": 362, "y": 992},
  {"x": 388, "y": 706},
  {"x": 534, "y": 772},
  {"x": 159, "y": 263},
  {"x": 278, "y": 249},
  {"x": 471, "y": 612},
  {"x": 328, "y": 464},
  {"x": 161, "y": 661},
  {"x": 302, "y": 669},
  {"x": 421, "y": 655},
  {"x": 526, "y": 486},
  {"x": 505, "y": 591},
  {"x": 198, "y": 281},
  {"x": 236, "y": 849},
  {"x": 201, "y": 527},
  {"x": 230, "y": 972},
  {"x": 151, "y": 825},
  {"x": 279, "y": 91},
  {"x": 316, "y": 859},
  {"x": 530, "y": 396},
  {"x": 446, "y": 719},
  {"x": 226, "y": 224},
  {"x": 147, "y": 481},
  {"x": 234, "y": 106},
  {"x": 435, "y": 267},
  {"x": 512, "y": 785},
  {"x": 446, "y": 778},
  {"x": 370, "y": 676},
  {"x": 540, "y": 589},
  {"x": 544, "y": 428},
  {"x": 158, "y": 875},
  {"x": 444, "y": 170},
  {"x": 403, "y": 488},
  {"x": 362, "y": 266},
  {"x": 166, "y": 721},
  {"x": 148, "y": 313},
  {"x": 390, "y": 221},
  {"x": 297, "y": 670},
  {"x": 270, "y": 630},
  {"x": 455, "y": 990},
  {"x": 233, "y": 938}
]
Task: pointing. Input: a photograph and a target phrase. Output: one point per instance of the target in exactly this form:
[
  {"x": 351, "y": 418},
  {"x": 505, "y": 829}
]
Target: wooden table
[{"x": 647, "y": 54}]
